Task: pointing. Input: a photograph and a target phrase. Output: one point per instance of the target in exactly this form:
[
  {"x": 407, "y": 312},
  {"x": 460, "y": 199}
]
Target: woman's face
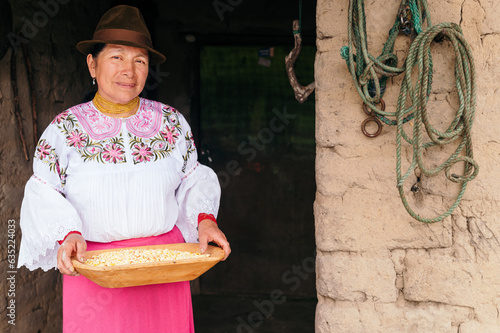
[{"x": 120, "y": 71}]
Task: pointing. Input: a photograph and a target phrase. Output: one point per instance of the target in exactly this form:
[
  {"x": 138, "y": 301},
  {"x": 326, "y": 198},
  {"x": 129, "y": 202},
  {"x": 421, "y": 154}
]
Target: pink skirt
[{"x": 88, "y": 307}]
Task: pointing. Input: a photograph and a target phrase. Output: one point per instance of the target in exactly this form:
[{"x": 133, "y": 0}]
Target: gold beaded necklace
[{"x": 108, "y": 107}]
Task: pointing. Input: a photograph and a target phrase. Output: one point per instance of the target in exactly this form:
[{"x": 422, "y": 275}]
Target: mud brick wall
[{"x": 378, "y": 269}]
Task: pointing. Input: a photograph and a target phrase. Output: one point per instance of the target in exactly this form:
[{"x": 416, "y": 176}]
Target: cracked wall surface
[{"x": 378, "y": 269}]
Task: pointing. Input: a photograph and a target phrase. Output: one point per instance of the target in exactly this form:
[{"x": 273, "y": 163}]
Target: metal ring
[
  {"x": 375, "y": 120},
  {"x": 370, "y": 112}
]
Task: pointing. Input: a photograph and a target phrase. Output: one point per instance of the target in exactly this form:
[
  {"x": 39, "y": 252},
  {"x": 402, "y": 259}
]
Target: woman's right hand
[{"x": 74, "y": 244}]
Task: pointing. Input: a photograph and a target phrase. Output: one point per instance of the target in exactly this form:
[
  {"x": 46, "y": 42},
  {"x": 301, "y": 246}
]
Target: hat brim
[{"x": 155, "y": 57}]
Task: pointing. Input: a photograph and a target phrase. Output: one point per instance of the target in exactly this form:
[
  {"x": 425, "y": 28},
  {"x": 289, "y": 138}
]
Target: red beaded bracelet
[
  {"x": 203, "y": 216},
  {"x": 69, "y": 233}
]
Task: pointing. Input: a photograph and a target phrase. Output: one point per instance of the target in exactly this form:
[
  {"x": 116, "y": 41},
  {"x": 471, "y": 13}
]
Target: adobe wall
[{"x": 378, "y": 269}]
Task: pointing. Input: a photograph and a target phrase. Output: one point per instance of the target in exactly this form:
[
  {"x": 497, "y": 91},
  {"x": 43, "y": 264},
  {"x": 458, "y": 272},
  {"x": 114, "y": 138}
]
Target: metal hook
[{"x": 301, "y": 92}]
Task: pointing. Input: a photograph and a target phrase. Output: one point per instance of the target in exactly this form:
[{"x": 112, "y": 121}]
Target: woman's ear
[{"x": 91, "y": 63}]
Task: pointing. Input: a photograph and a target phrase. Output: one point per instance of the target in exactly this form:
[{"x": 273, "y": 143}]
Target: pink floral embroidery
[
  {"x": 147, "y": 121},
  {"x": 94, "y": 150},
  {"x": 53, "y": 158},
  {"x": 143, "y": 120},
  {"x": 63, "y": 178},
  {"x": 60, "y": 117},
  {"x": 43, "y": 150},
  {"x": 160, "y": 145},
  {"x": 97, "y": 125},
  {"x": 60, "y": 172},
  {"x": 46, "y": 154},
  {"x": 173, "y": 119},
  {"x": 103, "y": 125},
  {"x": 170, "y": 134},
  {"x": 190, "y": 149},
  {"x": 76, "y": 139},
  {"x": 113, "y": 153},
  {"x": 93, "y": 117},
  {"x": 147, "y": 115},
  {"x": 141, "y": 153},
  {"x": 153, "y": 133},
  {"x": 190, "y": 138}
]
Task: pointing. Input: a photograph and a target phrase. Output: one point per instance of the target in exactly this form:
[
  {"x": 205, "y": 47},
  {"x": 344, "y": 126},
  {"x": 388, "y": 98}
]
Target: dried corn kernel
[{"x": 140, "y": 256}]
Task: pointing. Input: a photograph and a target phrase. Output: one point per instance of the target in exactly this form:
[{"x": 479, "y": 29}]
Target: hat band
[{"x": 123, "y": 35}]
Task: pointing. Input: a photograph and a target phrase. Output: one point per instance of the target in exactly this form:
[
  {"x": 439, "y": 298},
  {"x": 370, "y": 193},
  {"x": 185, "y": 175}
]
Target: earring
[{"x": 93, "y": 81}]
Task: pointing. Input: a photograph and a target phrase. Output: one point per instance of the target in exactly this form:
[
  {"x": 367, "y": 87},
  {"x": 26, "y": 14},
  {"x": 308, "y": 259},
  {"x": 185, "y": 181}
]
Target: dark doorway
[{"x": 260, "y": 142}]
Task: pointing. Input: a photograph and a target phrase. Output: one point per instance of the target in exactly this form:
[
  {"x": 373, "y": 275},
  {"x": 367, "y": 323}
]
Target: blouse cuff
[
  {"x": 69, "y": 233},
  {"x": 203, "y": 216}
]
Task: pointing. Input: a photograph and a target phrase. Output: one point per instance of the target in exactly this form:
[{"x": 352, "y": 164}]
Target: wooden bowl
[{"x": 152, "y": 272}]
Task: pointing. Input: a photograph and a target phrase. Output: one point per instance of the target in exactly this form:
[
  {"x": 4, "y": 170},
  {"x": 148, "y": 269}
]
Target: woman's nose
[{"x": 128, "y": 68}]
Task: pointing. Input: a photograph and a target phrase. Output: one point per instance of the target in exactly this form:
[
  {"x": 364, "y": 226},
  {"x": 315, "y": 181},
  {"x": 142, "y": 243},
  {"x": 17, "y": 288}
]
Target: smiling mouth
[{"x": 126, "y": 85}]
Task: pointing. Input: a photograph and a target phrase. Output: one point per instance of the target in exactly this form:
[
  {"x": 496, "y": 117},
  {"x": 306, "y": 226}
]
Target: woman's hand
[
  {"x": 208, "y": 231},
  {"x": 74, "y": 244}
]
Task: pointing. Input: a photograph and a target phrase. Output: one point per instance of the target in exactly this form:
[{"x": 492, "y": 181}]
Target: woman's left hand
[{"x": 208, "y": 231}]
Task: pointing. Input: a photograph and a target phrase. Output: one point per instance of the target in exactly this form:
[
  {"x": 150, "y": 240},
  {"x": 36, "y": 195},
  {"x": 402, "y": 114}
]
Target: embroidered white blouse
[{"x": 113, "y": 179}]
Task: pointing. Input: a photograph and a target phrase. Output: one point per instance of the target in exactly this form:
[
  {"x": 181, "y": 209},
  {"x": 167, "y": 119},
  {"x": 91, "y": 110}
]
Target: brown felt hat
[{"x": 123, "y": 25}]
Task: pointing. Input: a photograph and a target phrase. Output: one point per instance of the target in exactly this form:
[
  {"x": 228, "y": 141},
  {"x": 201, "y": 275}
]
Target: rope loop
[
  {"x": 468, "y": 174},
  {"x": 369, "y": 73},
  {"x": 365, "y": 77},
  {"x": 416, "y": 92}
]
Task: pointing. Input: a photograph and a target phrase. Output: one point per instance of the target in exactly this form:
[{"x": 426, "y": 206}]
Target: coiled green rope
[
  {"x": 419, "y": 60},
  {"x": 370, "y": 74}
]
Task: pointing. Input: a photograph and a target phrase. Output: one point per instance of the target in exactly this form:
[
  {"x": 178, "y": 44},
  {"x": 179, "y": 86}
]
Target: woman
[{"x": 118, "y": 171}]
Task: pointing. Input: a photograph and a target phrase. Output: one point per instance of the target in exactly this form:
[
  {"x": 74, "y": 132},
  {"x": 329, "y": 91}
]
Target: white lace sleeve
[
  {"x": 46, "y": 215},
  {"x": 199, "y": 191}
]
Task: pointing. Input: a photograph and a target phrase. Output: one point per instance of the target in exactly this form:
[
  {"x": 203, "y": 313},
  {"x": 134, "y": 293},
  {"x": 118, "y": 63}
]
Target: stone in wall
[
  {"x": 475, "y": 327},
  {"x": 441, "y": 277},
  {"x": 371, "y": 223},
  {"x": 377, "y": 317},
  {"x": 356, "y": 277},
  {"x": 432, "y": 276}
]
